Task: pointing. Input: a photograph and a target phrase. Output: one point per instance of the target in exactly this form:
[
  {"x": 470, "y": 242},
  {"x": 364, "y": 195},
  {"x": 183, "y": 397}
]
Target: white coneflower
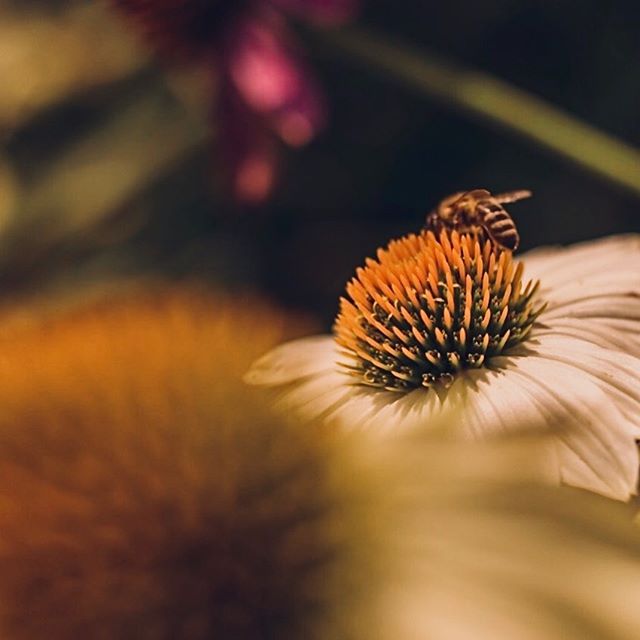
[{"x": 447, "y": 322}]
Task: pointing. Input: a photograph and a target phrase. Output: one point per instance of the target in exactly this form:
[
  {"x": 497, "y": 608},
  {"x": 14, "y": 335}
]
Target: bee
[{"x": 478, "y": 209}]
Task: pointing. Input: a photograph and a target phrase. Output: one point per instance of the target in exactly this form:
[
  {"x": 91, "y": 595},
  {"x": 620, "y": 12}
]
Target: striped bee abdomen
[{"x": 498, "y": 224}]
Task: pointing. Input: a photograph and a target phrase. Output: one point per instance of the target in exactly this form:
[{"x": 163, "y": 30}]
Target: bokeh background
[{"x": 110, "y": 164}]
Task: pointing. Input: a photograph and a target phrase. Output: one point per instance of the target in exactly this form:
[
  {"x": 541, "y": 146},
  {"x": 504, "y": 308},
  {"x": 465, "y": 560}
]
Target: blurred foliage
[{"x": 108, "y": 167}]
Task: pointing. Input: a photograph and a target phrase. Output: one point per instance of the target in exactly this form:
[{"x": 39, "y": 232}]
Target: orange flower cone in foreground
[{"x": 145, "y": 493}]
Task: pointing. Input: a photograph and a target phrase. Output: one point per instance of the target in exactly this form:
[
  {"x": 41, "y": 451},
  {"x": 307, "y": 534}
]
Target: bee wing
[
  {"x": 512, "y": 196},
  {"x": 477, "y": 194}
]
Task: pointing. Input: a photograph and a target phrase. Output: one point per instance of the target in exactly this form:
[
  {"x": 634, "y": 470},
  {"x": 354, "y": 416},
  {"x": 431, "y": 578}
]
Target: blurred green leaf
[
  {"x": 48, "y": 58},
  {"x": 486, "y": 98}
]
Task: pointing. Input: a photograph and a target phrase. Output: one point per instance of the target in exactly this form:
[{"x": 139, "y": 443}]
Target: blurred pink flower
[{"x": 266, "y": 89}]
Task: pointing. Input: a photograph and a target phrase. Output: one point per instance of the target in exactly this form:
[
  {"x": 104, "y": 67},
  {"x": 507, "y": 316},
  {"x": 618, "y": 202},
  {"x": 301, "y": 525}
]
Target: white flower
[
  {"x": 474, "y": 551},
  {"x": 435, "y": 324}
]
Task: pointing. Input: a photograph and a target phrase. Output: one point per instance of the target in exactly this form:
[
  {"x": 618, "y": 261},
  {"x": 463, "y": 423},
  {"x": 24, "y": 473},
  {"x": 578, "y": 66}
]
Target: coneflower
[{"x": 452, "y": 322}]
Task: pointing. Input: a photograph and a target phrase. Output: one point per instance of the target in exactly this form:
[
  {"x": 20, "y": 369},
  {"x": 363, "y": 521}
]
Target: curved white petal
[
  {"x": 594, "y": 420},
  {"x": 617, "y": 373},
  {"x": 611, "y": 414},
  {"x": 599, "y": 279},
  {"x": 326, "y": 396},
  {"x": 624, "y": 306},
  {"x": 617, "y": 334},
  {"x": 309, "y": 382},
  {"x": 559, "y": 266},
  {"x": 334, "y": 397},
  {"x": 394, "y": 412},
  {"x": 496, "y": 402},
  {"x": 294, "y": 360}
]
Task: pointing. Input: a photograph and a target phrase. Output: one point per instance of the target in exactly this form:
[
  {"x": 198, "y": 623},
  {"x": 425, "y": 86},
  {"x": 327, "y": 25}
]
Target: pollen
[{"x": 428, "y": 307}]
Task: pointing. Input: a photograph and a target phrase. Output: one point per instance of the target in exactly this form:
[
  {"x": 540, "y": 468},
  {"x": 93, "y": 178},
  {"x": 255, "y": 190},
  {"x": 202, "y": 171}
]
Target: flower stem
[{"x": 481, "y": 96}]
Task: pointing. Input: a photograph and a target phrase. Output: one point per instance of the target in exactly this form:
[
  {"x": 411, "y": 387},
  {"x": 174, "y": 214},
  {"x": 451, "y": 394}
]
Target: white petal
[
  {"x": 325, "y": 394},
  {"x": 496, "y": 402},
  {"x": 596, "y": 280},
  {"x": 593, "y": 279},
  {"x": 294, "y": 360},
  {"x": 627, "y": 328},
  {"x": 617, "y": 373},
  {"x": 337, "y": 400},
  {"x": 622, "y": 277},
  {"x": 617, "y": 334},
  {"x": 596, "y": 442},
  {"x": 395, "y": 412},
  {"x": 589, "y": 399},
  {"x": 557, "y": 266},
  {"x": 624, "y": 306},
  {"x": 309, "y": 382}
]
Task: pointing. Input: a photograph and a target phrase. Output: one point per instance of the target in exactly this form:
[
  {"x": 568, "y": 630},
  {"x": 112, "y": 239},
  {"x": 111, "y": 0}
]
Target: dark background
[{"x": 388, "y": 155}]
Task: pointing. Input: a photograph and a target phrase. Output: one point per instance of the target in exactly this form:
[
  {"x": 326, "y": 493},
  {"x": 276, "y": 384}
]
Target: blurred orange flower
[{"x": 144, "y": 490}]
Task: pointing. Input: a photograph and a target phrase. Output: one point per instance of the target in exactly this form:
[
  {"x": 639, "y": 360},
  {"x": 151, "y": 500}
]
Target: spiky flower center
[{"x": 429, "y": 307}]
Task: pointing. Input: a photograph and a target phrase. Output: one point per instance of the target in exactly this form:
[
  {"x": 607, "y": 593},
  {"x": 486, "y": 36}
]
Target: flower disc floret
[{"x": 428, "y": 307}]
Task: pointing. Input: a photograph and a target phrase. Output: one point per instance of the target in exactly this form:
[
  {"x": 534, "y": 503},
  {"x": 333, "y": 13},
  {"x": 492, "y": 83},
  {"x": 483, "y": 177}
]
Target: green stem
[{"x": 485, "y": 97}]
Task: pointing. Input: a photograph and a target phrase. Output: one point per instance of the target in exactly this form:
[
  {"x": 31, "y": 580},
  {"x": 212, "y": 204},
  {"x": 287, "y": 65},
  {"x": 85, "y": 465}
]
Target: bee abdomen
[{"x": 500, "y": 226}]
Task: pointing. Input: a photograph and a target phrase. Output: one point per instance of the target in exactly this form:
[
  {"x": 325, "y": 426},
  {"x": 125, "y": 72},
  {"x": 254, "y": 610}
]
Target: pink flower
[{"x": 267, "y": 92}]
